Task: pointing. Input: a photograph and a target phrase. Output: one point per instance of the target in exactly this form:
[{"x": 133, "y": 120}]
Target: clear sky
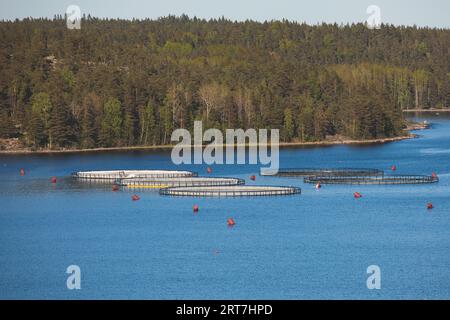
[{"x": 433, "y": 13}]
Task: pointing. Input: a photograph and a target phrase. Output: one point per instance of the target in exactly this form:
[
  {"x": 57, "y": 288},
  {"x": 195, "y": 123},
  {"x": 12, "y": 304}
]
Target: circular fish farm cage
[
  {"x": 323, "y": 172},
  {"x": 230, "y": 191},
  {"x": 155, "y": 183},
  {"x": 113, "y": 175},
  {"x": 391, "y": 179}
]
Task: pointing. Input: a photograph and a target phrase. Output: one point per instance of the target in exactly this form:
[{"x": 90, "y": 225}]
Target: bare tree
[{"x": 213, "y": 96}]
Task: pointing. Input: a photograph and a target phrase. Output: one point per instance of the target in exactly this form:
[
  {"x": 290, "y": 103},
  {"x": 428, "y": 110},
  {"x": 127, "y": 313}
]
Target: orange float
[
  {"x": 230, "y": 222},
  {"x": 357, "y": 195},
  {"x": 135, "y": 197}
]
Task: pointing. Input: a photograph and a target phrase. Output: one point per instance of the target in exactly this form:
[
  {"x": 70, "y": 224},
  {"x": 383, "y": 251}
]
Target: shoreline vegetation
[
  {"x": 427, "y": 110},
  {"x": 169, "y": 146},
  {"x": 329, "y": 142},
  {"x": 14, "y": 146}
]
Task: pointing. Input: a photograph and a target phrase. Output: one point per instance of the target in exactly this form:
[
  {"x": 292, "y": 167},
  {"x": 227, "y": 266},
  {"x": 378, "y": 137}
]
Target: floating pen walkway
[
  {"x": 391, "y": 179},
  {"x": 324, "y": 172},
  {"x": 127, "y": 174},
  {"x": 230, "y": 191},
  {"x": 154, "y": 183}
]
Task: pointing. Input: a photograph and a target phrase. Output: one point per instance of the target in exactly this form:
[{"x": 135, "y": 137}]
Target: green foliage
[
  {"x": 176, "y": 49},
  {"x": 88, "y": 122},
  {"x": 69, "y": 77},
  {"x": 128, "y": 129},
  {"x": 7, "y": 128},
  {"x": 288, "y": 125},
  {"x": 111, "y": 123},
  {"x": 41, "y": 106},
  {"x": 59, "y": 128},
  {"x": 39, "y": 119},
  {"x": 147, "y": 124},
  {"x": 121, "y": 82}
]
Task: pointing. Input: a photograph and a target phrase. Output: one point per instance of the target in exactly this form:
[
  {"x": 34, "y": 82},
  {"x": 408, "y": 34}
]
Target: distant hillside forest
[{"x": 132, "y": 82}]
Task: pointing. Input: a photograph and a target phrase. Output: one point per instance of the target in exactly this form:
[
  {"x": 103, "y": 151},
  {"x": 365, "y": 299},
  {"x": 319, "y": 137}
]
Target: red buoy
[
  {"x": 430, "y": 206},
  {"x": 115, "y": 187},
  {"x": 394, "y": 167},
  {"x": 53, "y": 179},
  {"x": 135, "y": 197},
  {"x": 318, "y": 186},
  {"x": 22, "y": 172},
  {"x": 253, "y": 177},
  {"x": 434, "y": 175},
  {"x": 357, "y": 195},
  {"x": 195, "y": 208},
  {"x": 230, "y": 222},
  {"x": 209, "y": 170}
]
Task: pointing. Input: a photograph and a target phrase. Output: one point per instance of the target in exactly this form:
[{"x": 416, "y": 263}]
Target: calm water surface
[{"x": 315, "y": 245}]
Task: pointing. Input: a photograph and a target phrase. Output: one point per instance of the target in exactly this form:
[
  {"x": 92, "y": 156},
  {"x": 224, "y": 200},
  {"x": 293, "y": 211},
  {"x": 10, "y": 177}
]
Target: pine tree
[
  {"x": 128, "y": 129},
  {"x": 7, "y": 129},
  {"x": 166, "y": 123},
  {"x": 111, "y": 123},
  {"x": 59, "y": 127},
  {"x": 88, "y": 131},
  {"x": 41, "y": 109},
  {"x": 36, "y": 131},
  {"x": 288, "y": 125}
]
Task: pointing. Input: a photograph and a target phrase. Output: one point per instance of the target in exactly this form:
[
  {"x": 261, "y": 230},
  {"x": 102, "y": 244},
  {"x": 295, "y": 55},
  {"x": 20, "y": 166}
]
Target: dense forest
[{"x": 132, "y": 82}]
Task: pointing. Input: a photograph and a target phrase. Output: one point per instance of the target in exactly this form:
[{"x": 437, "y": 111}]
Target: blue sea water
[{"x": 316, "y": 245}]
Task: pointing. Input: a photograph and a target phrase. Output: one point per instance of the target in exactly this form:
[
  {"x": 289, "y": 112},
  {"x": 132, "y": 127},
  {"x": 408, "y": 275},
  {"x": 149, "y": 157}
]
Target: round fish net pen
[
  {"x": 113, "y": 175},
  {"x": 391, "y": 179},
  {"x": 230, "y": 191},
  {"x": 323, "y": 172},
  {"x": 154, "y": 183}
]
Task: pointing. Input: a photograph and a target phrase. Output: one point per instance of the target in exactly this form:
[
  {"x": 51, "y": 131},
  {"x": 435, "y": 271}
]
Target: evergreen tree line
[{"x": 126, "y": 83}]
